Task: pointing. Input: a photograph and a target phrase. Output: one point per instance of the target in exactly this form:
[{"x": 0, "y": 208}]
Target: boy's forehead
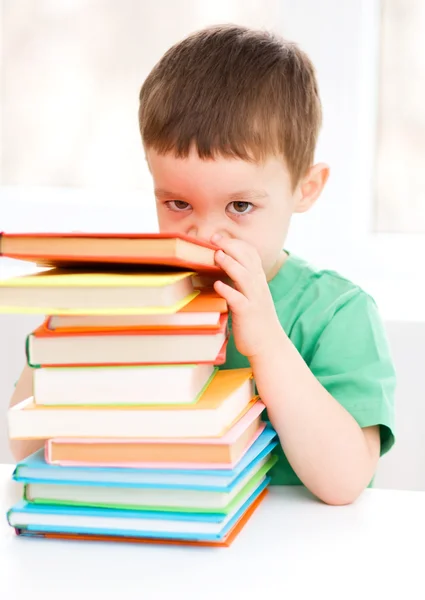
[
  {"x": 241, "y": 195},
  {"x": 239, "y": 177}
]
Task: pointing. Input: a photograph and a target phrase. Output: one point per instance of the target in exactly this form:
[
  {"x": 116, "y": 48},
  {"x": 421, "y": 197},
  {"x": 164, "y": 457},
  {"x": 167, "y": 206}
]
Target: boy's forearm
[
  {"x": 323, "y": 443},
  {"x": 23, "y": 448}
]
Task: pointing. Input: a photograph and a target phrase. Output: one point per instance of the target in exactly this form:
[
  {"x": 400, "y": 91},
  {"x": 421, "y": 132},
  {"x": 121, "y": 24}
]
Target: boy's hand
[{"x": 254, "y": 319}]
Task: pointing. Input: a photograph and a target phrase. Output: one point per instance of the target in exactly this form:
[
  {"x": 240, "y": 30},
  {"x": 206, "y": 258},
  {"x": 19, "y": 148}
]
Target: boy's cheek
[{"x": 168, "y": 224}]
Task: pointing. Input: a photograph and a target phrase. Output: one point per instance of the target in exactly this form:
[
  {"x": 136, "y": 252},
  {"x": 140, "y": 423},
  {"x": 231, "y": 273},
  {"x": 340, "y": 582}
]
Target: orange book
[
  {"x": 215, "y": 453},
  {"x": 203, "y": 311},
  {"x": 71, "y": 249},
  {"x": 140, "y": 345},
  {"x": 225, "y": 398}
]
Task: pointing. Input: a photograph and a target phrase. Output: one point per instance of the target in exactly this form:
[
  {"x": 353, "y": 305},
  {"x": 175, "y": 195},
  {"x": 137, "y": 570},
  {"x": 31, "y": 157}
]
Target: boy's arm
[
  {"x": 325, "y": 446},
  {"x": 331, "y": 454},
  {"x": 23, "y": 448}
]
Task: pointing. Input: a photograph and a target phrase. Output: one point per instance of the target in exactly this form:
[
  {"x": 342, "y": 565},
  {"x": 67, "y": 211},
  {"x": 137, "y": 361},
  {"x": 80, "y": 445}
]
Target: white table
[{"x": 293, "y": 547}]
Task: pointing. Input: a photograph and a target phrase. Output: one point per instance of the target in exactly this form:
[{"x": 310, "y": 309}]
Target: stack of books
[{"x": 146, "y": 438}]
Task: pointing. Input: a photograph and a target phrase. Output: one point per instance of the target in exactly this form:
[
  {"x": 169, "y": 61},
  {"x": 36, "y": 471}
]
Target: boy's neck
[{"x": 280, "y": 261}]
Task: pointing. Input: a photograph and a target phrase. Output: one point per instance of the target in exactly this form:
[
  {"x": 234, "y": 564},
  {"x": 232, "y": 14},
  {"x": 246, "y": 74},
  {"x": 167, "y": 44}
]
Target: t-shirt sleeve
[{"x": 352, "y": 361}]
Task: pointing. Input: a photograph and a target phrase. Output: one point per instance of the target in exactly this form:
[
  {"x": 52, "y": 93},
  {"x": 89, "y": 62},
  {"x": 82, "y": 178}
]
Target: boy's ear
[{"x": 311, "y": 186}]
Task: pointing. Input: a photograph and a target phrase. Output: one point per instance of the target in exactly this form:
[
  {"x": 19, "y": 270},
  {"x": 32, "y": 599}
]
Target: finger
[
  {"x": 235, "y": 300},
  {"x": 237, "y": 273},
  {"x": 241, "y": 251}
]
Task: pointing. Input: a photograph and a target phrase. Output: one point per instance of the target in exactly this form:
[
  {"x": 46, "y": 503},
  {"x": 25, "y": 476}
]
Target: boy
[{"x": 229, "y": 120}]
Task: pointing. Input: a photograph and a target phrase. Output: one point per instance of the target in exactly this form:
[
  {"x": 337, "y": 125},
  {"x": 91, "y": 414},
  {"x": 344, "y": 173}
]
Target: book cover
[
  {"x": 34, "y": 469},
  {"x": 203, "y": 311},
  {"x": 226, "y": 541},
  {"x": 128, "y": 347},
  {"x": 94, "y": 293},
  {"x": 135, "y": 385},
  {"x": 209, "y": 453},
  {"x": 180, "y": 501},
  {"x": 189, "y": 526},
  {"x": 70, "y": 249},
  {"x": 225, "y": 398}
]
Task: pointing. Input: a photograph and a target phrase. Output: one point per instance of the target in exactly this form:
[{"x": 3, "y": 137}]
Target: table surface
[{"x": 293, "y": 547}]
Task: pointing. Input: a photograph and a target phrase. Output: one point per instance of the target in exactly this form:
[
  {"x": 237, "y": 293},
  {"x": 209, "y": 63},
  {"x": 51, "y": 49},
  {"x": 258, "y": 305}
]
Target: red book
[
  {"x": 161, "y": 345},
  {"x": 72, "y": 249}
]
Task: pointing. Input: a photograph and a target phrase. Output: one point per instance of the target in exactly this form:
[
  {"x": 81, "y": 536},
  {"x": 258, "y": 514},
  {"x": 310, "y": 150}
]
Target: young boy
[{"x": 229, "y": 120}]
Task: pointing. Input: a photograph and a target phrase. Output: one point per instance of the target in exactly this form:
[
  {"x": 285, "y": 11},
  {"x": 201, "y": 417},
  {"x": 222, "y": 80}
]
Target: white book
[
  {"x": 121, "y": 385},
  {"x": 225, "y": 398},
  {"x": 119, "y": 348}
]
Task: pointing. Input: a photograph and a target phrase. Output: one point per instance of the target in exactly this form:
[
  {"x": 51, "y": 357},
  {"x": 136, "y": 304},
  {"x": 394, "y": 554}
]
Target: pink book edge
[
  {"x": 165, "y": 465},
  {"x": 228, "y": 438}
]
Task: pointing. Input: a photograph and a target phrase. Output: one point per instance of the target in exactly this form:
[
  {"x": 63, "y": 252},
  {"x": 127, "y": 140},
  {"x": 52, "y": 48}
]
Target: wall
[{"x": 404, "y": 466}]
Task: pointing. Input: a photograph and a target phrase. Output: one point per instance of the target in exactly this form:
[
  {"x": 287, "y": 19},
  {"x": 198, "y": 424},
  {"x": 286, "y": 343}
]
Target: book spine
[
  {"x": 25, "y": 493},
  {"x": 28, "y": 353},
  {"x": 48, "y": 452}
]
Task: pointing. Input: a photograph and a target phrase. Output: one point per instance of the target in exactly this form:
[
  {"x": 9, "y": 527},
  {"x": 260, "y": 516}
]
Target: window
[
  {"x": 400, "y": 181},
  {"x": 71, "y": 72}
]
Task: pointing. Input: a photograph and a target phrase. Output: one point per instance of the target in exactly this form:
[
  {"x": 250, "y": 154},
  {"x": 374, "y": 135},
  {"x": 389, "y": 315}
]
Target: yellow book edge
[
  {"x": 137, "y": 310},
  {"x": 53, "y": 279}
]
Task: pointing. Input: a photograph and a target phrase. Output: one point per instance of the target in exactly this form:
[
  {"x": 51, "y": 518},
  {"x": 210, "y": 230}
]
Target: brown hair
[{"x": 233, "y": 91}]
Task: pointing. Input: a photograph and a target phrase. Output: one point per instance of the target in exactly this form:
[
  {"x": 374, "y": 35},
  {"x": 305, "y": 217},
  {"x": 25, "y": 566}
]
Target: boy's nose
[{"x": 205, "y": 231}]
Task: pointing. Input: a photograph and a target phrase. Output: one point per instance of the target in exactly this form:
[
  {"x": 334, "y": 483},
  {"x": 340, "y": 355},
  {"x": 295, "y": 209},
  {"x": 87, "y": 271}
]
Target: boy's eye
[
  {"x": 177, "y": 205},
  {"x": 239, "y": 207}
]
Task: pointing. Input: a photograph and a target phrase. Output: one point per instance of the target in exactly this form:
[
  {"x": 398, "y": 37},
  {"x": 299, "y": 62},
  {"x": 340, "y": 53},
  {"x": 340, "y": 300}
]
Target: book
[
  {"x": 147, "y": 385},
  {"x": 34, "y": 469},
  {"x": 64, "y": 249},
  {"x": 67, "y": 519},
  {"x": 225, "y": 541},
  {"x": 72, "y": 292},
  {"x": 228, "y": 394},
  {"x": 126, "y": 347},
  {"x": 149, "y": 499},
  {"x": 203, "y": 311},
  {"x": 209, "y": 453}
]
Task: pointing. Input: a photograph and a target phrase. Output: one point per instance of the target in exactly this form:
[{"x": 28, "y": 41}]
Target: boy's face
[{"x": 235, "y": 198}]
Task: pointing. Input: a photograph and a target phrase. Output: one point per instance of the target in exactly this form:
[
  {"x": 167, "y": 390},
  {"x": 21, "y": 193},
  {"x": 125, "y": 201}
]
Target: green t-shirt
[{"x": 336, "y": 328}]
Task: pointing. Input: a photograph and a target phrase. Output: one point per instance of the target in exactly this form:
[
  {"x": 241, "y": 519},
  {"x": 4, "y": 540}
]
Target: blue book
[
  {"x": 28, "y": 518},
  {"x": 150, "y": 499},
  {"x": 35, "y": 469}
]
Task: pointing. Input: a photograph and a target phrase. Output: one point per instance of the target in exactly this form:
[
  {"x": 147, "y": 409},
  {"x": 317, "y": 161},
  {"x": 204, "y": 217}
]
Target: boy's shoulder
[
  {"x": 311, "y": 297},
  {"x": 298, "y": 278}
]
